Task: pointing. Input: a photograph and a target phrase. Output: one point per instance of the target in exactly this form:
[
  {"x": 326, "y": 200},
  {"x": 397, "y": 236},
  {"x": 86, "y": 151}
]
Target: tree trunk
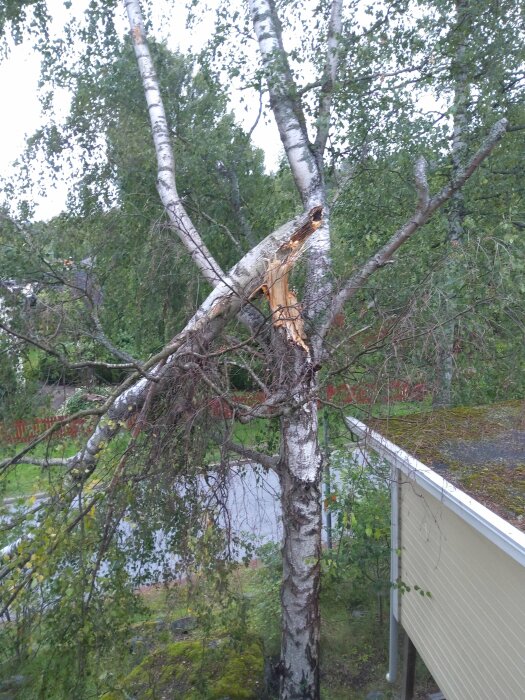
[
  {"x": 300, "y": 470},
  {"x": 455, "y": 215}
]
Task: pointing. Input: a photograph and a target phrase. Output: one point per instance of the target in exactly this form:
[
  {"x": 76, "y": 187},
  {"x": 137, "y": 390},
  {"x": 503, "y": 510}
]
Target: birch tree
[
  {"x": 290, "y": 339},
  {"x": 476, "y": 83}
]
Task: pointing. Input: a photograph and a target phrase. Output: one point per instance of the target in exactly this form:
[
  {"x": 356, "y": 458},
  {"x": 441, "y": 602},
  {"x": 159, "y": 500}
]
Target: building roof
[{"x": 480, "y": 449}]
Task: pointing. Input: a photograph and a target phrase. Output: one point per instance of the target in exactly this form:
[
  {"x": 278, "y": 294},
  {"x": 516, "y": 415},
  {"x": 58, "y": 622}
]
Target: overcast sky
[{"x": 19, "y": 75}]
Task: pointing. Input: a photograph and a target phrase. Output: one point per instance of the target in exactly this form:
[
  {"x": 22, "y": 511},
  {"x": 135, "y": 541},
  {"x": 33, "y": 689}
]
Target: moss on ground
[{"x": 196, "y": 670}]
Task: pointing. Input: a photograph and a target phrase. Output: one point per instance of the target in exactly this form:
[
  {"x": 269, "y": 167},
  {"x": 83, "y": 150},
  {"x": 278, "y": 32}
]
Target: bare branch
[
  {"x": 258, "y": 117},
  {"x": 211, "y": 220},
  {"x": 48, "y": 462},
  {"x": 369, "y": 77},
  {"x": 235, "y": 197},
  {"x": 102, "y": 338},
  {"x": 463, "y": 174},
  {"x": 424, "y": 210},
  {"x": 249, "y": 370},
  {"x": 267, "y": 461}
]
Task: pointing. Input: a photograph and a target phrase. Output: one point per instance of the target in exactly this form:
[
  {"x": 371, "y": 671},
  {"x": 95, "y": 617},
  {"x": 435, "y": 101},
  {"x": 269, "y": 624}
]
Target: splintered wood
[{"x": 286, "y": 310}]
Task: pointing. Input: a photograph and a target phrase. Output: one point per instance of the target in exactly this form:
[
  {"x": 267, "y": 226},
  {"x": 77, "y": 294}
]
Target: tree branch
[
  {"x": 329, "y": 77},
  {"x": 267, "y": 461},
  {"x": 41, "y": 345},
  {"x": 21, "y": 454},
  {"x": 166, "y": 184},
  {"x": 235, "y": 197},
  {"x": 102, "y": 338},
  {"x": 222, "y": 304},
  {"x": 284, "y": 100},
  {"x": 424, "y": 210}
]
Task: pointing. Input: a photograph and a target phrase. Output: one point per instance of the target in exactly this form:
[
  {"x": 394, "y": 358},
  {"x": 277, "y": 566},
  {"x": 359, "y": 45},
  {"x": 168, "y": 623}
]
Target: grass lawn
[{"x": 27, "y": 479}]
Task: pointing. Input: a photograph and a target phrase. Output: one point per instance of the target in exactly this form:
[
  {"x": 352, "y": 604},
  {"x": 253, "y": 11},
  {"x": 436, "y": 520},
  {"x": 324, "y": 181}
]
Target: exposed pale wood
[{"x": 285, "y": 307}]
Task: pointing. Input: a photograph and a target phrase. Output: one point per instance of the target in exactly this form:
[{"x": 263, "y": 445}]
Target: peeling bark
[
  {"x": 300, "y": 477},
  {"x": 301, "y": 508},
  {"x": 296, "y": 348},
  {"x": 224, "y": 302}
]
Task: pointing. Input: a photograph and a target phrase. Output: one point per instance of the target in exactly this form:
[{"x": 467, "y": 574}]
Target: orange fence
[
  {"x": 343, "y": 394},
  {"x": 27, "y": 430}
]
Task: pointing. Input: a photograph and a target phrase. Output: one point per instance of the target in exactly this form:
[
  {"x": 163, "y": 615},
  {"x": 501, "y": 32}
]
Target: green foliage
[
  {"x": 115, "y": 218},
  {"x": 265, "y": 609},
  {"x": 17, "y": 395},
  {"x": 81, "y": 400},
  {"x": 141, "y": 286},
  {"x": 66, "y": 623},
  {"x": 15, "y": 15},
  {"x": 360, "y": 502}
]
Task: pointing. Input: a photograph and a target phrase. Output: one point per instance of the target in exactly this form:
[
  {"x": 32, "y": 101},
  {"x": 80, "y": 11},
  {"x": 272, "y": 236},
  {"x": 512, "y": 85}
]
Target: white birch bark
[
  {"x": 285, "y": 102},
  {"x": 329, "y": 78},
  {"x": 300, "y": 463},
  {"x": 166, "y": 184},
  {"x": 300, "y": 456},
  {"x": 319, "y": 289},
  {"x": 305, "y": 159},
  {"x": 221, "y": 305}
]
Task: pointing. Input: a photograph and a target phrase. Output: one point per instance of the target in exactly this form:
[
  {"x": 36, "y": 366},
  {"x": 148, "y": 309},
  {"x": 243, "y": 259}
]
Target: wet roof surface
[
  {"x": 479, "y": 449},
  {"x": 508, "y": 448}
]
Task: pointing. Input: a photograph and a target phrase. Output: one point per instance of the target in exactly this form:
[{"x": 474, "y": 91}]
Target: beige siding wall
[{"x": 471, "y": 632}]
